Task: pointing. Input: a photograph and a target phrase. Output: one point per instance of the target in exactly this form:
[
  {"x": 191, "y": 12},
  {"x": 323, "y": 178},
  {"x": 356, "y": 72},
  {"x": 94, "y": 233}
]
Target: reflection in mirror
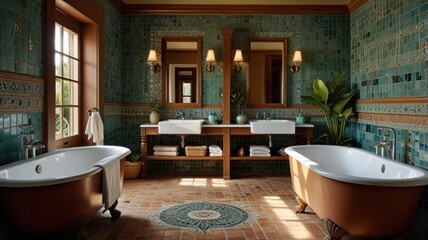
[
  {"x": 181, "y": 72},
  {"x": 267, "y": 74}
]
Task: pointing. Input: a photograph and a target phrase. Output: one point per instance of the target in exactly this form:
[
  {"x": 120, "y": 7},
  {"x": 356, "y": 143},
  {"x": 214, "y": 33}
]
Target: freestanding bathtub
[
  {"x": 357, "y": 192},
  {"x": 56, "y": 191}
]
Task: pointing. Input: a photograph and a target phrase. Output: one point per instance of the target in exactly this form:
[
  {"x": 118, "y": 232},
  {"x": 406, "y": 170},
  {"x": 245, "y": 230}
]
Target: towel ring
[{"x": 91, "y": 110}]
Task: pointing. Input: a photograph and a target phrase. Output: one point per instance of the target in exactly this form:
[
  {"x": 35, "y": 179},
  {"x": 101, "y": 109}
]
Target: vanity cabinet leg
[{"x": 143, "y": 155}]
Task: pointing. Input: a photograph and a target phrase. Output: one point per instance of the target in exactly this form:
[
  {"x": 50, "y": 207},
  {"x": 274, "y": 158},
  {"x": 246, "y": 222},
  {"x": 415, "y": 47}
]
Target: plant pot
[
  {"x": 241, "y": 119},
  {"x": 154, "y": 117},
  {"x": 132, "y": 170}
]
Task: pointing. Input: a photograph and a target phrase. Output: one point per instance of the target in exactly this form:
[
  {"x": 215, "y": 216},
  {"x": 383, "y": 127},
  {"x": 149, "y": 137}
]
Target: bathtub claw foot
[
  {"x": 115, "y": 214},
  {"x": 334, "y": 231},
  {"x": 302, "y": 205}
]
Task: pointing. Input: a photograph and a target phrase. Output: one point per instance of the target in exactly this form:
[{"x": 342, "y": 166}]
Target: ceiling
[{"x": 241, "y": 2}]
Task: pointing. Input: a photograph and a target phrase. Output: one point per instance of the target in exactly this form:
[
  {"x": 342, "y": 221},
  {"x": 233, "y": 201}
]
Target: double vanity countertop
[{"x": 247, "y": 125}]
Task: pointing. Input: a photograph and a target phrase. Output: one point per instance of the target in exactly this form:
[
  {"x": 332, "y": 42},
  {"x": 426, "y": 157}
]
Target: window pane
[
  {"x": 66, "y": 92},
  {"x": 58, "y": 92},
  {"x": 187, "y": 89},
  {"x": 58, "y": 124},
  {"x": 66, "y": 66},
  {"x": 187, "y": 99},
  {"x": 74, "y": 69},
  {"x": 74, "y": 45},
  {"x": 58, "y": 65},
  {"x": 66, "y": 42},
  {"x": 70, "y": 121},
  {"x": 58, "y": 37},
  {"x": 74, "y": 93}
]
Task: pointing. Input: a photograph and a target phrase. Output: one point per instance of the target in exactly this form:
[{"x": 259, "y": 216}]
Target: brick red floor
[{"x": 269, "y": 200}]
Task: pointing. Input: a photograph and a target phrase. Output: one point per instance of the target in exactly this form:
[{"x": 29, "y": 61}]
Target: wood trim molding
[
  {"x": 227, "y": 72},
  {"x": 393, "y": 100},
  {"x": 233, "y": 9},
  {"x": 124, "y": 8},
  {"x": 20, "y": 77},
  {"x": 354, "y": 4},
  {"x": 118, "y": 4}
]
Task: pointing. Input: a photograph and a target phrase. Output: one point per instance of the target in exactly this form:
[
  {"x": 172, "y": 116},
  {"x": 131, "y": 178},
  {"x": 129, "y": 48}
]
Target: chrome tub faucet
[
  {"x": 28, "y": 144},
  {"x": 386, "y": 144}
]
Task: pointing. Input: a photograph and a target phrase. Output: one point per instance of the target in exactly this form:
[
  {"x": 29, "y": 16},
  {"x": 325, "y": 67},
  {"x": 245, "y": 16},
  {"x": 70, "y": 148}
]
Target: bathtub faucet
[
  {"x": 28, "y": 144},
  {"x": 385, "y": 144}
]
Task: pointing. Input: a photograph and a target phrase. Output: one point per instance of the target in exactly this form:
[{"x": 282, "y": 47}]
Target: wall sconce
[
  {"x": 210, "y": 61},
  {"x": 297, "y": 60},
  {"x": 238, "y": 60},
  {"x": 153, "y": 59}
]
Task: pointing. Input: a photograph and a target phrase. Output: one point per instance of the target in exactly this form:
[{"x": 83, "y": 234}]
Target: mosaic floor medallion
[{"x": 203, "y": 215}]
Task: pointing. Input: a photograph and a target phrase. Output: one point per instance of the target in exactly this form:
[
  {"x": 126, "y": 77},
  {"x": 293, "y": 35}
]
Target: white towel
[
  {"x": 259, "y": 154},
  {"x": 259, "y": 147},
  {"x": 166, "y": 148},
  {"x": 111, "y": 180},
  {"x": 165, "y": 153},
  {"x": 216, "y": 154},
  {"x": 216, "y": 151},
  {"x": 214, "y": 148},
  {"x": 95, "y": 128}
]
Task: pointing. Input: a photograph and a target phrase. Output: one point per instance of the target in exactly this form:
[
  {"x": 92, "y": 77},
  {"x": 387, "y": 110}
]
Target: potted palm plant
[
  {"x": 132, "y": 166},
  {"x": 333, "y": 100}
]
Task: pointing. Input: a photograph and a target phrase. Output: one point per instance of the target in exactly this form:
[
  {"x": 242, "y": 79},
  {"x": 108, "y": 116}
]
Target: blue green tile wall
[
  {"x": 20, "y": 37},
  {"x": 389, "y": 59},
  {"x": 389, "y": 49},
  {"x": 324, "y": 40},
  {"x": 112, "y": 74},
  {"x": 113, "y": 53},
  {"x": 20, "y": 52}
]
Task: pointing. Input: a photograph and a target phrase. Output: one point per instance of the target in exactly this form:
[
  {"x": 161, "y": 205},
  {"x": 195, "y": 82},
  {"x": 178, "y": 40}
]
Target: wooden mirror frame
[
  {"x": 165, "y": 103},
  {"x": 283, "y": 103}
]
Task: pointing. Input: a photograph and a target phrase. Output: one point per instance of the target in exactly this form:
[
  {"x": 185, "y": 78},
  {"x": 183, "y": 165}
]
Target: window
[{"x": 67, "y": 78}]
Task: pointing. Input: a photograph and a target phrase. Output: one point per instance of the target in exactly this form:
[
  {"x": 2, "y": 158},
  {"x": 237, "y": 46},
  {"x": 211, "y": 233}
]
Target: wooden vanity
[{"x": 225, "y": 130}]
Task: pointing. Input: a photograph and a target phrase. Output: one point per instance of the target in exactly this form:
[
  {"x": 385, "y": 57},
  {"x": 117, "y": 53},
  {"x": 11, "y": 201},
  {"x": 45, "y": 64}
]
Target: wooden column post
[{"x": 227, "y": 68}]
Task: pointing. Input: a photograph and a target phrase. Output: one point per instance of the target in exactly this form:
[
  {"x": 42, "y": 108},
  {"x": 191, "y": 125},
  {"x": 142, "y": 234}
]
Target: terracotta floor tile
[{"x": 269, "y": 201}]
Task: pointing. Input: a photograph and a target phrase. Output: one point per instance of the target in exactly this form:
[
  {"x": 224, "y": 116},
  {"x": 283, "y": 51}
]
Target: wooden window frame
[{"x": 90, "y": 15}]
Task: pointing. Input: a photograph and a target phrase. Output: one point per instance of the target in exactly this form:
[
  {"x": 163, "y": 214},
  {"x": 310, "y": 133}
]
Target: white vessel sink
[
  {"x": 179, "y": 126},
  {"x": 273, "y": 126}
]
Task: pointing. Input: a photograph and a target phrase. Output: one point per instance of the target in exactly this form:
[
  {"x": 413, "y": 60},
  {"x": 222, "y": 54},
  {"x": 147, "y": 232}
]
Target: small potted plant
[
  {"x": 154, "y": 115},
  {"x": 132, "y": 166},
  {"x": 238, "y": 97}
]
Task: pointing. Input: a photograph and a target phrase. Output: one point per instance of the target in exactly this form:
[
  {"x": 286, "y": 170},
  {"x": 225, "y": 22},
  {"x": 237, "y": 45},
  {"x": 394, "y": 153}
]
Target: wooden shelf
[
  {"x": 236, "y": 158},
  {"x": 151, "y": 158}
]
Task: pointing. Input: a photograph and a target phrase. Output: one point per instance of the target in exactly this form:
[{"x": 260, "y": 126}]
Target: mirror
[
  {"x": 267, "y": 73},
  {"x": 181, "y": 72}
]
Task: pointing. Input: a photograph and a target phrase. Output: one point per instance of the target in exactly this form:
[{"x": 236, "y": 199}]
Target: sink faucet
[
  {"x": 28, "y": 144},
  {"x": 266, "y": 116},
  {"x": 181, "y": 115},
  {"x": 385, "y": 144}
]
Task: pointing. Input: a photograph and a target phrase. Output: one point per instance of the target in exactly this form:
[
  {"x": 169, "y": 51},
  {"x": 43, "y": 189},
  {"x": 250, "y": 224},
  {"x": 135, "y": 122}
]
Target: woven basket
[
  {"x": 196, "y": 151},
  {"x": 132, "y": 170}
]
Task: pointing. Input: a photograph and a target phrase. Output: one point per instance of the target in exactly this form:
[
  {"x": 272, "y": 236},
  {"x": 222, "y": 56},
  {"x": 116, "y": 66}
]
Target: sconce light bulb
[
  {"x": 297, "y": 60},
  {"x": 210, "y": 61},
  {"x": 152, "y": 56}
]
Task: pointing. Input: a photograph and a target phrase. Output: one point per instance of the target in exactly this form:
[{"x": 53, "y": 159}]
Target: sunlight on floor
[
  {"x": 196, "y": 182},
  {"x": 218, "y": 182},
  {"x": 288, "y": 217},
  {"x": 202, "y": 182}
]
